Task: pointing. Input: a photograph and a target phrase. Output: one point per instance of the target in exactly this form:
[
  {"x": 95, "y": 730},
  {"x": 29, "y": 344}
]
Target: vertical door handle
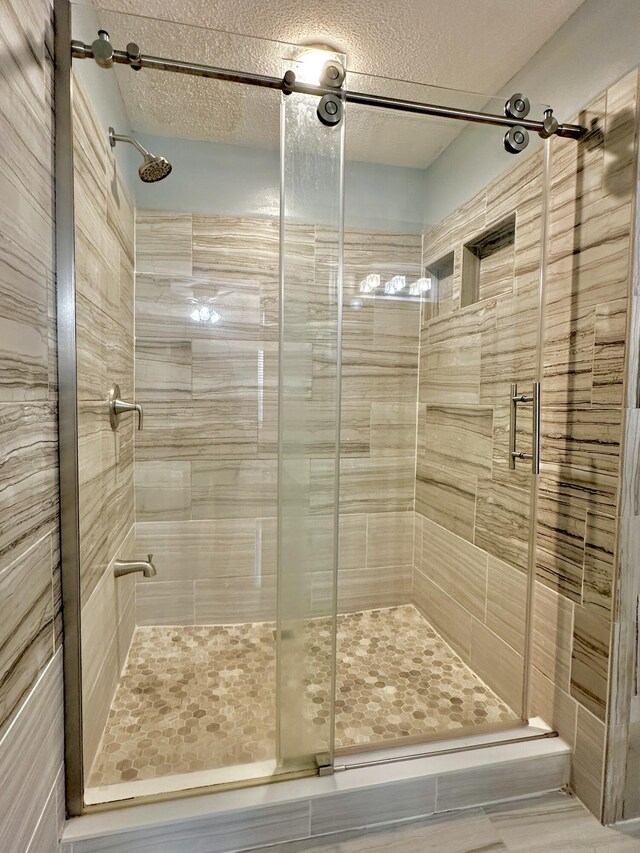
[{"x": 514, "y": 454}]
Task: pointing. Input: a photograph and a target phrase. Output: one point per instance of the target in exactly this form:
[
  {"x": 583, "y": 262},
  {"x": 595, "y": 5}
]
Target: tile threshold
[{"x": 150, "y": 816}]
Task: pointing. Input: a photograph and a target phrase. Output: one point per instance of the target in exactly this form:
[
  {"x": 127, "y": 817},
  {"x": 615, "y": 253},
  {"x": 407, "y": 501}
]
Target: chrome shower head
[{"x": 153, "y": 169}]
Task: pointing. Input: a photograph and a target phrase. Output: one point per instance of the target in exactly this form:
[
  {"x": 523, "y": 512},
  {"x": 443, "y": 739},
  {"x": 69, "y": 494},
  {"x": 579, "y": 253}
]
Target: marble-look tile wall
[
  {"x": 464, "y": 491},
  {"x": 31, "y": 737},
  {"x": 472, "y": 511},
  {"x": 104, "y": 284},
  {"x": 206, "y": 462}
]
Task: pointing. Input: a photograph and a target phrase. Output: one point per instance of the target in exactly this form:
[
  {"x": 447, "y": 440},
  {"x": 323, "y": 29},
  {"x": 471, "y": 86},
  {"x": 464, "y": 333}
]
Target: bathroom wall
[
  {"x": 206, "y": 462},
  {"x": 31, "y": 715},
  {"x": 475, "y": 511},
  {"x": 471, "y": 510},
  {"x": 104, "y": 281}
]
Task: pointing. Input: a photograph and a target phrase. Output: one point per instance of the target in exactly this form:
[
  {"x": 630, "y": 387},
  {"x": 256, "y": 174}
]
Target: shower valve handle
[{"x": 119, "y": 407}]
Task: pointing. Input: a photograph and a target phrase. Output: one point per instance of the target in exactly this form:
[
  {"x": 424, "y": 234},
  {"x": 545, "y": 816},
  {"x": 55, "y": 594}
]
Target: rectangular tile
[
  {"x": 560, "y": 540},
  {"x": 554, "y": 705},
  {"x": 502, "y": 522},
  {"x": 163, "y": 242},
  {"x": 163, "y": 370},
  {"x": 587, "y": 767},
  {"x": 234, "y": 488},
  {"x": 350, "y": 809},
  {"x": 180, "y": 308},
  {"x": 459, "y": 438},
  {"x": 370, "y": 588},
  {"x": 28, "y": 478},
  {"x": 235, "y": 599},
  {"x": 609, "y": 350},
  {"x": 234, "y": 249},
  {"x": 500, "y": 666},
  {"x": 31, "y": 756},
  {"x": 599, "y": 551},
  {"x": 24, "y": 351},
  {"x": 247, "y": 370},
  {"x": 198, "y": 429},
  {"x": 368, "y": 372},
  {"x": 456, "y": 566},
  {"x": 26, "y": 632},
  {"x": 446, "y": 498},
  {"x": 500, "y": 782},
  {"x": 448, "y": 618},
  {"x": 552, "y": 635},
  {"x": 389, "y": 539},
  {"x": 163, "y": 491},
  {"x": 450, "y": 371},
  {"x": 198, "y": 550},
  {"x": 506, "y": 603},
  {"x": 231, "y": 831},
  {"x": 393, "y": 429},
  {"x": 164, "y": 603},
  {"x": 376, "y": 484},
  {"x": 590, "y": 658}
]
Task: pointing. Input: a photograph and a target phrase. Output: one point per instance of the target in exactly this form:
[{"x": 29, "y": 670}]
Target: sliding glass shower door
[{"x": 309, "y": 422}]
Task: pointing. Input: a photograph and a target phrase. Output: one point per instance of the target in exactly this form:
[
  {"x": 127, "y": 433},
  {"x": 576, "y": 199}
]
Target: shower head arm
[{"x": 118, "y": 137}]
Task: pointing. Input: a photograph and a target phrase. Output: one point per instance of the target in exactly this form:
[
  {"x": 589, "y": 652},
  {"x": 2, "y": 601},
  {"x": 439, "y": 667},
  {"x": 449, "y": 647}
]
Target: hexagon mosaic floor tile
[{"x": 197, "y": 698}]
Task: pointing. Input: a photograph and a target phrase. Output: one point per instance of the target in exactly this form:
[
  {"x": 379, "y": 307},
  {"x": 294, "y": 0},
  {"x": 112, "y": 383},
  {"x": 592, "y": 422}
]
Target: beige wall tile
[
  {"x": 557, "y": 708},
  {"x": 450, "y": 371},
  {"x": 234, "y": 488},
  {"x": 456, "y": 566},
  {"x": 367, "y": 589},
  {"x": 506, "y": 603},
  {"x": 163, "y": 370},
  {"x": 552, "y": 635},
  {"x": 500, "y": 666},
  {"x": 459, "y": 439},
  {"x": 600, "y": 535},
  {"x": 163, "y": 491},
  {"x": 393, "y": 429},
  {"x": 199, "y": 429},
  {"x": 448, "y": 618},
  {"x": 560, "y": 540},
  {"x": 608, "y": 356},
  {"x": 247, "y": 599},
  {"x": 26, "y": 631},
  {"x": 588, "y": 760},
  {"x": 590, "y": 658},
  {"x": 200, "y": 550},
  {"x": 390, "y": 539},
  {"x": 165, "y": 602},
  {"x": 446, "y": 498},
  {"x": 163, "y": 242},
  {"x": 502, "y": 522}
]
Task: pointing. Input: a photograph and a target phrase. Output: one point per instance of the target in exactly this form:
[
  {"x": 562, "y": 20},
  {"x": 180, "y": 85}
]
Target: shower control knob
[{"x": 516, "y": 139}]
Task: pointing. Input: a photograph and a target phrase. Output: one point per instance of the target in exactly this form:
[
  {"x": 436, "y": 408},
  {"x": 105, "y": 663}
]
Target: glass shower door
[
  {"x": 309, "y": 420},
  {"x": 442, "y": 278}
]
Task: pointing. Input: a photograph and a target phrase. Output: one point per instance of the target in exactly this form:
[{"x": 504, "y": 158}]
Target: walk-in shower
[{"x": 329, "y": 352}]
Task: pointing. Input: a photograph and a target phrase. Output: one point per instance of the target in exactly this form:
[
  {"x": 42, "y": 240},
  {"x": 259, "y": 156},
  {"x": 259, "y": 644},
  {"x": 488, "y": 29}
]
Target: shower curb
[{"x": 318, "y": 806}]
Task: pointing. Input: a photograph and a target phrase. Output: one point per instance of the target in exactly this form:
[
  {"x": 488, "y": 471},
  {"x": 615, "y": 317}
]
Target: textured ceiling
[{"x": 473, "y": 45}]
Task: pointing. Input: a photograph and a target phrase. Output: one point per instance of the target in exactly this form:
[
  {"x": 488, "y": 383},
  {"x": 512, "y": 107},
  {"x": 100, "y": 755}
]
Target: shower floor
[{"x": 203, "y": 698}]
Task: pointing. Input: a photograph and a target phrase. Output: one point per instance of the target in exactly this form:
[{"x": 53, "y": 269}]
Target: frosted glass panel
[{"x": 309, "y": 413}]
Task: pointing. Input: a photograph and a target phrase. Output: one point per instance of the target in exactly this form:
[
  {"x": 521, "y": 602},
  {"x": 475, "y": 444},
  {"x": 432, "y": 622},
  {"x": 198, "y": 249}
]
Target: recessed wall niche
[
  {"x": 487, "y": 263},
  {"x": 439, "y": 300}
]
